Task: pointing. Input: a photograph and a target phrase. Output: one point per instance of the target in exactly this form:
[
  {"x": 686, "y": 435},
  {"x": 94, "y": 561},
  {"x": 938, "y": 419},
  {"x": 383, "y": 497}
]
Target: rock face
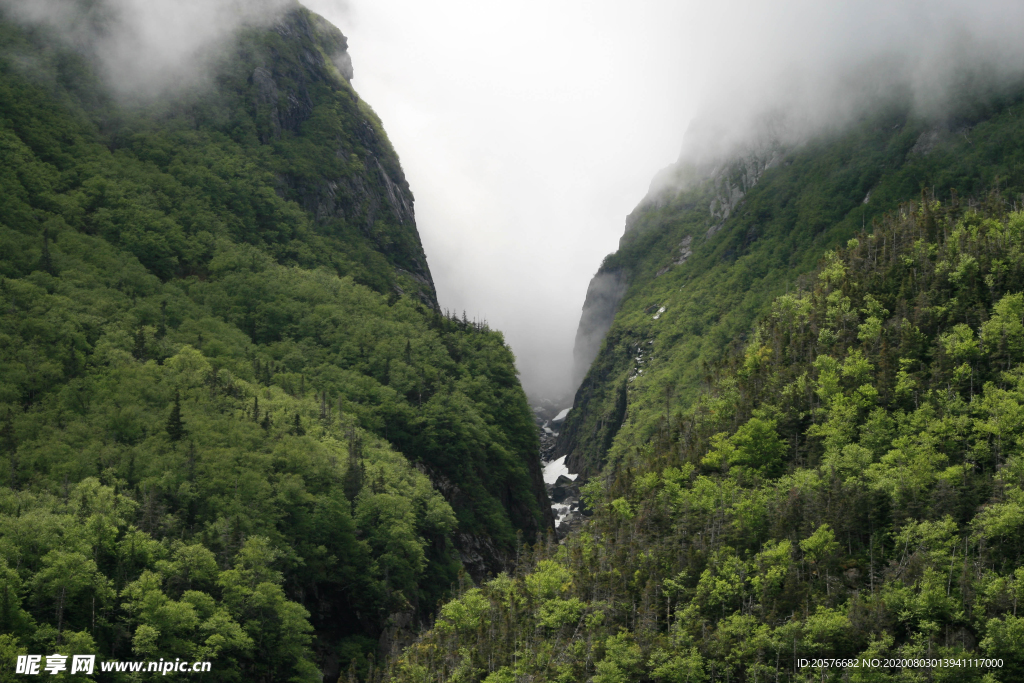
[
  {"x": 603, "y": 296},
  {"x": 300, "y": 68},
  {"x": 685, "y": 252},
  {"x": 480, "y": 556},
  {"x": 398, "y": 632},
  {"x": 734, "y": 179},
  {"x": 549, "y": 418},
  {"x": 565, "y": 503}
]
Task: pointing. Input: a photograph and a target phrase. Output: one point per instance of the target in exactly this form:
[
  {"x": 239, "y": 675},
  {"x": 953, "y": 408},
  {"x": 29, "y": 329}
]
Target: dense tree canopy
[{"x": 849, "y": 485}]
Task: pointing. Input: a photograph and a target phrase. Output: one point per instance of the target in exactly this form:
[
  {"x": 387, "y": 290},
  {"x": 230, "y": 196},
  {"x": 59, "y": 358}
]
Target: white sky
[{"x": 527, "y": 131}]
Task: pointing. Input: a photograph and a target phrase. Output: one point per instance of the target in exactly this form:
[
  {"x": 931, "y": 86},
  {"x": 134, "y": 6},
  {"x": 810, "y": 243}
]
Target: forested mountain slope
[
  {"x": 231, "y": 414},
  {"x": 706, "y": 253},
  {"x": 848, "y": 484}
]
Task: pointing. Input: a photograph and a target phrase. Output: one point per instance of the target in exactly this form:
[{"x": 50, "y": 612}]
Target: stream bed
[{"x": 562, "y": 485}]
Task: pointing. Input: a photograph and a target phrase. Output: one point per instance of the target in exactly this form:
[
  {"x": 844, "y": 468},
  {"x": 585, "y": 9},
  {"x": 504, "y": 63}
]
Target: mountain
[
  {"x": 714, "y": 243},
  {"x": 235, "y": 424},
  {"x": 802, "y": 431},
  {"x": 842, "y": 497}
]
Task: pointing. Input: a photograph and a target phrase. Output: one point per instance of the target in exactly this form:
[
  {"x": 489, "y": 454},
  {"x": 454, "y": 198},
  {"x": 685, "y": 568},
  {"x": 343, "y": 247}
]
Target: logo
[{"x": 55, "y": 664}]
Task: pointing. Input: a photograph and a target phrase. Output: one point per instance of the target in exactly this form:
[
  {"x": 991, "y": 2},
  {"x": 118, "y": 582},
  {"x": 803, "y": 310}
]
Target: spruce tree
[
  {"x": 161, "y": 329},
  {"x": 139, "y": 350},
  {"x": 9, "y": 444},
  {"x": 7, "y": 439},
  {"x": 353, "y": 480},
  {"x": 46, "y": 263},
  {"x": 175, "y": 427}
]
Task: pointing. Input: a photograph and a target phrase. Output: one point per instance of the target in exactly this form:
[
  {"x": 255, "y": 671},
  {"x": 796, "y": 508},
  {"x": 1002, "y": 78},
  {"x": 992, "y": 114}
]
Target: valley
[{"x": 237, "y": 425}]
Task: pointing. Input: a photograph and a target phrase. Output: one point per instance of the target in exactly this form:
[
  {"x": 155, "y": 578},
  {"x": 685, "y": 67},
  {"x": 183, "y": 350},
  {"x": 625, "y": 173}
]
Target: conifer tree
[
  {"x": 9, "y": 444},
  {"x": 139, "y": 349},
  {"x": 46, "y": 263},
  {"x": 175, "y": 426},
  {"x": 161, "y": 329},
  {"x": 353, "y": 481},
  {"x": 7, "y": 439}
]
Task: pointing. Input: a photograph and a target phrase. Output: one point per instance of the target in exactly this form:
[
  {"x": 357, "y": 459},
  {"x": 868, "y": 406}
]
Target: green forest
[
  {"x": 848, "y": 484},
  {"x": 234, "y": 424}
]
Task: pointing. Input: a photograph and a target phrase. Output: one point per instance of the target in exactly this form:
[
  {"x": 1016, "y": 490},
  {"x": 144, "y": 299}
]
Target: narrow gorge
[{"x": 239, "y": 424}]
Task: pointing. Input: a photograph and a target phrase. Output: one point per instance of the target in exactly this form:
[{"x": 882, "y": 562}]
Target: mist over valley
[{"x": 349, "y": 341}]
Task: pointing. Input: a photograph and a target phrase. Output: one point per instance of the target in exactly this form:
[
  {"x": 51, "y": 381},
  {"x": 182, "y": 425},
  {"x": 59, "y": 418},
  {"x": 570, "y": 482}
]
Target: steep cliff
[{"x": 604, "y": 293}]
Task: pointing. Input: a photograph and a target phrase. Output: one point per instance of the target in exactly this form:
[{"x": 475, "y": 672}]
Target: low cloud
[
  {"x": 784, "y": 72},
  {"x": 147, "y": 48}
]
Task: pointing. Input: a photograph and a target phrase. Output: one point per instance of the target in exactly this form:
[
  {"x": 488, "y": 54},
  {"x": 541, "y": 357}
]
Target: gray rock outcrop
[{"x": 603, "y": 297}]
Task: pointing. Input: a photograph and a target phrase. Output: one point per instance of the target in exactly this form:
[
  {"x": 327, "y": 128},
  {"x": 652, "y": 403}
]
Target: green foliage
[
  {"x": 548, "y": 581},
  {"x": 758, "y": 447},
  {"x": 810, "y": 507},
  {"x": 225, "y": 388},
  {"x": 621, "y": 661},
  {"x": 464, "y": 613},
  {"x": 820, "y": 545}
]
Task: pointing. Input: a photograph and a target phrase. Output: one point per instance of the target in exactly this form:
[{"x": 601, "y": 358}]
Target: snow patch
[
  {"x": 561, "y": 511},
  {"x": 561, "y": 415},
  {"x": 556, "y": 468},
  {"x": 660, "y": 311}
]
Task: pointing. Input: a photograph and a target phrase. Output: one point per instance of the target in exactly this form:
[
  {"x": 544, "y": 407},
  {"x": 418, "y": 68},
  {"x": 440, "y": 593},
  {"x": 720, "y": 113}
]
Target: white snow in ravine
[
  {"x": 561, "y": 415},
  {"x": 555, "y": 469},
  {"x": 560, "y": 511}
]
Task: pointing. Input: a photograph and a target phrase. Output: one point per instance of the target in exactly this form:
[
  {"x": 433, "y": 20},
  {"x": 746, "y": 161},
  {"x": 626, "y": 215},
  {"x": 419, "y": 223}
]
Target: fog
[
  {"x": 148, "y": 48},
  {"x": 529, "y": 130},
  {"x": 804, "y": 68}
]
